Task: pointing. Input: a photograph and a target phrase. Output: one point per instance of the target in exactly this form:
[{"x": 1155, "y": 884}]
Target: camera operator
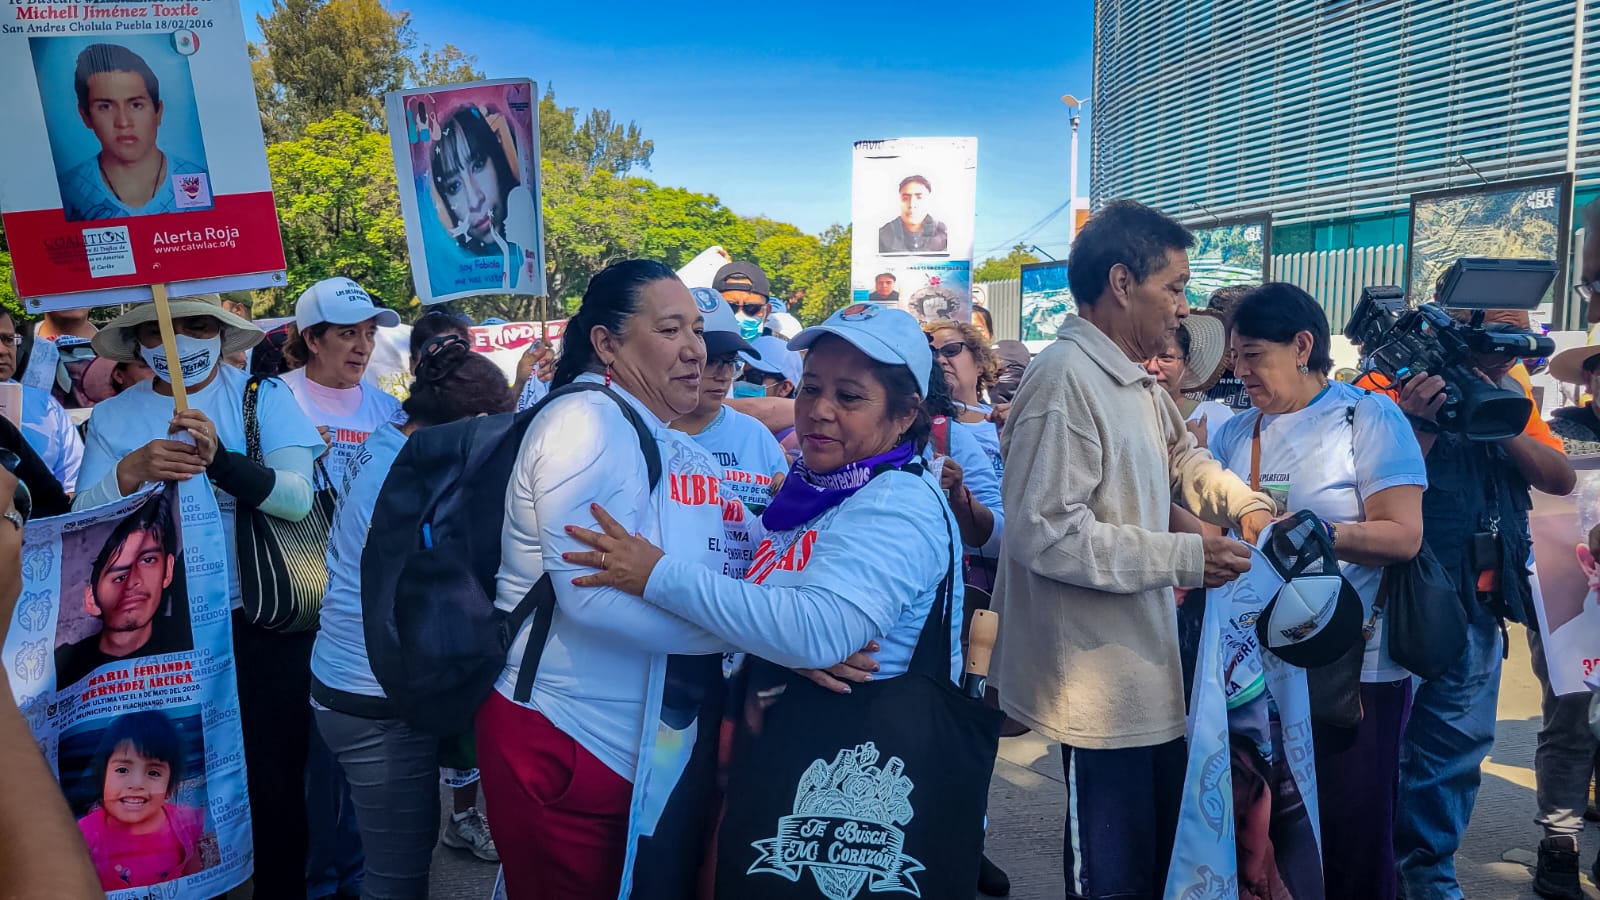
[{"x": 1475, "y": 519}]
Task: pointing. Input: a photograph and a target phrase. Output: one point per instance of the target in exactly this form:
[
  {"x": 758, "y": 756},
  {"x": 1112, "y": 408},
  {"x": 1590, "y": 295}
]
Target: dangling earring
[{"x": 608, "y": 375}]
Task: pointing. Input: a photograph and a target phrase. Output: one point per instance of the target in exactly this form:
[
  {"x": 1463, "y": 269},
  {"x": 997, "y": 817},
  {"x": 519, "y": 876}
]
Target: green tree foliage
[
  {"x": 1006, "y": 267},
  {"x": 596, "y": 142},
  {"x": 339, "y": 211},
  {"x": 8, "y": 294},
  {"x": 828, "y": 277},
  {"x": 320, "y": 57}
]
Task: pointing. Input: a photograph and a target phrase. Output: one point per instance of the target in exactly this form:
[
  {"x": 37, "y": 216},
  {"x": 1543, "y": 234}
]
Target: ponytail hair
[
  {"x": 610, "y": 301},
  {"x": 454, "y": 383}
]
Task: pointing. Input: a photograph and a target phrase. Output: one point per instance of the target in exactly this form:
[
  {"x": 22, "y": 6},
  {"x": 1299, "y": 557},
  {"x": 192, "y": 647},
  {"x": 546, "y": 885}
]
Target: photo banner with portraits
[
  {"x": 1566, "y": 583},
  {"x": 120, "y": 655},
  {"x": 133, "y": 152},
  {"x": 913, "y": 203},
  {"x": 466, "y": 159}
]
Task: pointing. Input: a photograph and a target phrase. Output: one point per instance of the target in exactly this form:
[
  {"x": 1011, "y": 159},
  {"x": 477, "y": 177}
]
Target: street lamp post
[{"x": 1075, "y": 110}]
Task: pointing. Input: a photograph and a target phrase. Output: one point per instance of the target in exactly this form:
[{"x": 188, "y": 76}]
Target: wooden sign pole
[{"x": 169, "y": 343}]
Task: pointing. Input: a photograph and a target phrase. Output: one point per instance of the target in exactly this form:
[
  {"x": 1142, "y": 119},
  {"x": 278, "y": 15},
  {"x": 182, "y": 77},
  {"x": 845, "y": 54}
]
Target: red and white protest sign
[{"x": 133, "y": 152}]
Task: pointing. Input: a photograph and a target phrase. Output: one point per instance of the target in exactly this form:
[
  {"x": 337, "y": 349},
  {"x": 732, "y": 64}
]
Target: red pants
[{"x": 558, "y": 814}]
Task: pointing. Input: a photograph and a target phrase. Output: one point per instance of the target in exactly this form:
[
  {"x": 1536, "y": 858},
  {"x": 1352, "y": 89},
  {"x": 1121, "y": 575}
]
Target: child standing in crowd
[{"x": 137, "y": 837}]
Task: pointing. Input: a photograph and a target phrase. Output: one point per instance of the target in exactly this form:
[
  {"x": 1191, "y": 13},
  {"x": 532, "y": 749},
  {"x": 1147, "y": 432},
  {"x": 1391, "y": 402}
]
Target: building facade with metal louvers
[{"x": 1330, "y": 114}]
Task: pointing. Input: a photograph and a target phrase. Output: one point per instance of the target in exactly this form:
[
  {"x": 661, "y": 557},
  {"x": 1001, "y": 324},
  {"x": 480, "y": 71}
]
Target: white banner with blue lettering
[
  {"x": 121, "y": 658},
  {"x": 1205, "y": 854}
]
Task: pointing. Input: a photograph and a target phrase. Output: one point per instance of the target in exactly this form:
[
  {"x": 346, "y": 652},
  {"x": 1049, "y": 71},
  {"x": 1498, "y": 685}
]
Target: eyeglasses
[
  {"x": 1585, "y": 291},
  {"x": 13, "y": 339},
  {"x": 23, "y": 499},
  {"x": 749, "y": 309},
  {"x": 725, "y": 361},
  {"x": 951, "y": 350}
]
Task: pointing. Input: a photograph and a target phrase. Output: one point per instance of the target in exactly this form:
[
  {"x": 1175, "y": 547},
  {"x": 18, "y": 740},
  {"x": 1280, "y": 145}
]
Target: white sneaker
[{"x": 470, "y": 831}]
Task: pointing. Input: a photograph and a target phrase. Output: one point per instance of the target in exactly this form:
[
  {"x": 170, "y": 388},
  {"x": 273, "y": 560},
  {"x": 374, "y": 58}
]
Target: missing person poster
[
  {"x": 467, "y": 161},
  {"x": 120, "y": 657},
  {"x": 133, "y": 152},
  {"x": 913, "y": 205},
  {"x": 1566, "y": 580}
]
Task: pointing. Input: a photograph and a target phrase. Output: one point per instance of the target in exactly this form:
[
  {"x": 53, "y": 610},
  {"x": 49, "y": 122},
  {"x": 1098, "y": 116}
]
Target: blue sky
[{"x": 758, "y": 103}]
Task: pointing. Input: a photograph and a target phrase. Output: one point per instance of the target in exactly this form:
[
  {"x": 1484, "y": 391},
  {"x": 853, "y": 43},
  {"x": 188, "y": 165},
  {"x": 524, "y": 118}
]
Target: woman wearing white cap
[
  {"x": 129, "y": 445},
  {"x": 336, "y": 327}
]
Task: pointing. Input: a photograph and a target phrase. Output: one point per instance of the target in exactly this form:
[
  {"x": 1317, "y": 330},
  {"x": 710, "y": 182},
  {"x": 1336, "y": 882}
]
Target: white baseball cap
[
  {"x": 339, "y": 301},
  {"x": 775, "y": 358},
  {"x": 783, "y": 325},
  {"x": 722, "y": 328},
  {"x": 886, "y": 335}
]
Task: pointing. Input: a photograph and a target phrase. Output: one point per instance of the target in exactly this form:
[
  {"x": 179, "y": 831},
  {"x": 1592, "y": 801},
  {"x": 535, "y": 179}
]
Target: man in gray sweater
[{"x": 1096, "y": 454}]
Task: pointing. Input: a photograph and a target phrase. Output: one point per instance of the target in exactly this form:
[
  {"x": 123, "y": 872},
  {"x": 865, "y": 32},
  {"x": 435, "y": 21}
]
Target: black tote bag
[
  {"x": 283, "y": 566},
  {"x": 1426, "y": 624},
  {"x": 880, "y": 792}
]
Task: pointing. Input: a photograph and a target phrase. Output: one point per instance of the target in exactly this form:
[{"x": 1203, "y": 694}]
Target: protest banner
[
  {"x": 467, "y": 161},
  {"x": 1566, "y": 580},
  {"x": 702, "y": 270},
  {"x": 390, "y": 367},
  {"x": 1228, "y": 722},
  {"x": 120, "y": 658},
  {"x": 913, "y": 203},
  {"x": 134, "y": 154}
]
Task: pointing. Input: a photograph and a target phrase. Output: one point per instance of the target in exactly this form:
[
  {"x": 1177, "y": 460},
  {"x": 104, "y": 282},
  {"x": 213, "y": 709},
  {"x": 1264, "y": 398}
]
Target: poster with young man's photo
[
  {"x": 120, "y": 657},
  {"x": 467, "y": 162},
  {"x": 134, "y": 153},
  {"x": 913, "y": 202}
]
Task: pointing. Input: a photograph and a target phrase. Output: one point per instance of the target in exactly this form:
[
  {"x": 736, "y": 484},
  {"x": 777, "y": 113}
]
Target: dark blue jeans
[{"x": 1450, "y": 732}]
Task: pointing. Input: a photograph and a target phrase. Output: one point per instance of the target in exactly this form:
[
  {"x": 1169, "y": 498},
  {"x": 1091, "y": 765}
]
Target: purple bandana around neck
[{"x": 806, "y": 494}]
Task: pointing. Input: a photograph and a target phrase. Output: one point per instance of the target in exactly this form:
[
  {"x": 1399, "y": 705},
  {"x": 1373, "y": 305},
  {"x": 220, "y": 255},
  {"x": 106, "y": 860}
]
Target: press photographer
[{"x": 1485, "y": 449}]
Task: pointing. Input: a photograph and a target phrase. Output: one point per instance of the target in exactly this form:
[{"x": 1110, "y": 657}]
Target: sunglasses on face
[
  {"x": 951, "y": 350},
  {"x": 749, "y": 309},
  {"x": 23, "y": 499},
  {"x": 730, "y": 360}
]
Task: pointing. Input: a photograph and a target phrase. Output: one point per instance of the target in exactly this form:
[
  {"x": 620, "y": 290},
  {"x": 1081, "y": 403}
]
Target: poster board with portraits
[
  {"x": 120, "y": 658},
  {"x": 133, "y": 153},
  {"x": 467, "y": 163},
  {"x": 913, "y": 204}
]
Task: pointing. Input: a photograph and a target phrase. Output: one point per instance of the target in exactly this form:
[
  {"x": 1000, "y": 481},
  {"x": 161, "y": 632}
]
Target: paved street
[{"x": 1027, "y": 811}]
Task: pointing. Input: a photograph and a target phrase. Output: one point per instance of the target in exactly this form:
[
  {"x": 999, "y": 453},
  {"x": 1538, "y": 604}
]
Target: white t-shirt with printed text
[
  {"x": 348, "y": 432},
  {"x": 749, "y": 456},
  {"x": 1330, "y": 458}
]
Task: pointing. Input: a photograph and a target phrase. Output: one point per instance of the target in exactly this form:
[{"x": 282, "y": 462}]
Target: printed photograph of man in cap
[
  {"x": 916, "y": 230},
  {"x": 129, "y": 595},
  {"x": 883, "y": 289},
  {"x": 748, "y": 291},
  {"x": 119, "y": 99}
]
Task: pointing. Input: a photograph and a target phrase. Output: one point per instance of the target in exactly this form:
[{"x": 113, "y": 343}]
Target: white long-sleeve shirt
[
  {"x": 869, "y": 568},
  {"x": 593, "y": 680}
]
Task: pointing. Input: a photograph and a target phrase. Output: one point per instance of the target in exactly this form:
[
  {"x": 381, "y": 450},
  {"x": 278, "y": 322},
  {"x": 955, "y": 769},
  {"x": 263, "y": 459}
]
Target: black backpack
[{"x": 435, "y": 640}]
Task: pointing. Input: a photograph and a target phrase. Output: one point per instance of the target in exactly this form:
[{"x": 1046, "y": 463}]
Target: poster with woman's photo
[
  {"x": 467, "y": 161},
  {"x": 913, "y": 204},
  {"x": 120, "y": 657}
]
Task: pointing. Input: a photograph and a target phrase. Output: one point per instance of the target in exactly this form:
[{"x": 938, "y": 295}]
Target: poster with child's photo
[
  {"x": 1566, "y": 580},
  {"x": 120, "y": 656},
  {"x": 136, "y": 783}
]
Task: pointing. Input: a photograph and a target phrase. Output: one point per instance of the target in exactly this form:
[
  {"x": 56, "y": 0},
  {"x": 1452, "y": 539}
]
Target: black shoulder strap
[
  {"x": 932, "y": 654},
  {"x": 647, "y": 441},
  {"x": 539, "y": 604},
  {"x": 252, "y": 424}
]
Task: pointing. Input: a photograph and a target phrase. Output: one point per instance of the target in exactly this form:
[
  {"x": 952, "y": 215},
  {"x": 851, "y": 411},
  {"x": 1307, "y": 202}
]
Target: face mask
[
  {"x": 749, "y": 326},
  {"x": 746, "y": 389},
  {"x": 196, "y": 356}
]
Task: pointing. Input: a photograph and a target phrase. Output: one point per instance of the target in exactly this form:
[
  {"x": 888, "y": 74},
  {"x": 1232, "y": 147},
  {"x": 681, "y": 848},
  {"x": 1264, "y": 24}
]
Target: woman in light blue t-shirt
[{"x": 392, "y": 768}]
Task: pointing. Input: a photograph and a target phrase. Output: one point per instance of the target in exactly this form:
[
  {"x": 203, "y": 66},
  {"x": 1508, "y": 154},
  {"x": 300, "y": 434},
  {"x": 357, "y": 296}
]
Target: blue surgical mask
[
  {"x": 746, "y": 389},
  {"x": 749, "y": 326}
]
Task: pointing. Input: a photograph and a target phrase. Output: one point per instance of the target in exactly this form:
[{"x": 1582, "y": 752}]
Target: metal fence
[
  {"x": 1005, "y": 307},
  {"x": 1336, "y": 277}
]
